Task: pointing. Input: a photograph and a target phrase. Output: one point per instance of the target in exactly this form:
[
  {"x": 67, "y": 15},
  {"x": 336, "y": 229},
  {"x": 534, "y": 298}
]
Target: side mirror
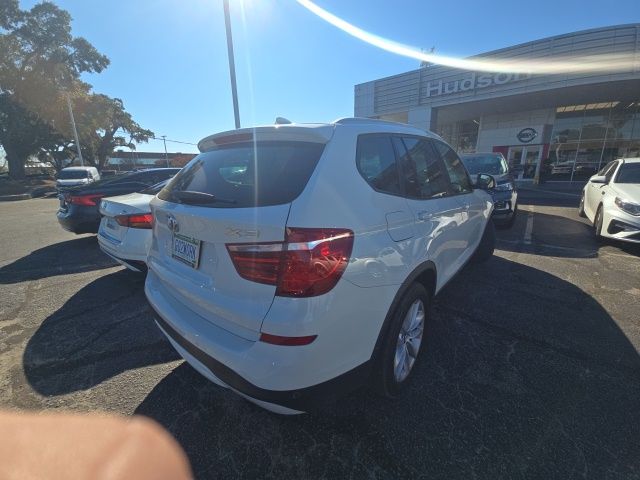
[
  {"x": 598, "y": 179},
  {"x": 485, "y": 181}
]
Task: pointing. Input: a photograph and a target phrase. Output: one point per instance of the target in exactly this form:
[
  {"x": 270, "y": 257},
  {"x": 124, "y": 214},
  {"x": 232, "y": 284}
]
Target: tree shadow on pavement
[
  {"x": 103, "y": 330},
  {"x": 81, "y": 254},
  {"x": 523, "y": 376}
]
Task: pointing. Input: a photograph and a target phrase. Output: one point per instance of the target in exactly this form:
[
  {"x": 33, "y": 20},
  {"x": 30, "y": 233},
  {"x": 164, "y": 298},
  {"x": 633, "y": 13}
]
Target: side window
[
  {"x": 423, "y": 171},
  {"x": 376, "y": 162},
  {"x": 458, "y": 175}
]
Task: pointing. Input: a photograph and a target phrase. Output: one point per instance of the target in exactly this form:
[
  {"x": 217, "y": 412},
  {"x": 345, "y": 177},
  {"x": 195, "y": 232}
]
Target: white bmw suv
[{"x": 293, "y": 263}]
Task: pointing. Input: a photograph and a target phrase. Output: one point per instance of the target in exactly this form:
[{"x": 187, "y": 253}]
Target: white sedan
[
  {"x": 125, "y": 228},
  {"x": 611, "y": 200}
]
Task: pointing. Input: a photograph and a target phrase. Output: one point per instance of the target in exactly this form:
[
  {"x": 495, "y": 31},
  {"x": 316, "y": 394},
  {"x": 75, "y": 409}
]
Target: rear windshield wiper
[{"x": 197, "y": 198}]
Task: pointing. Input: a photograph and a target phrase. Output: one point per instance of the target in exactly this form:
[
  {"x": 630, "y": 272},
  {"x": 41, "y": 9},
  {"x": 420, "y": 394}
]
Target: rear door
[
  {"x": 376, "y": 162},
  {"x": 437, "y": 213},
  {"x": 234, "y": 194}
]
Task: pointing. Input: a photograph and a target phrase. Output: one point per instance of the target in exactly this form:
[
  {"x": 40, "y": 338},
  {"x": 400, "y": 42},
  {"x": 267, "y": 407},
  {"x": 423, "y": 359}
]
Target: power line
[{"x": 174, "y": 141}]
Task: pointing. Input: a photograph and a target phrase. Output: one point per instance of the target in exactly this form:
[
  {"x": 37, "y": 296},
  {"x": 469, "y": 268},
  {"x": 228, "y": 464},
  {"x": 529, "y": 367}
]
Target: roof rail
[{"x": 363, "y": 120}]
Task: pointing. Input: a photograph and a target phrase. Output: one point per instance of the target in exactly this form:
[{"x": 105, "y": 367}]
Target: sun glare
[{"x": 557, "y": 65}]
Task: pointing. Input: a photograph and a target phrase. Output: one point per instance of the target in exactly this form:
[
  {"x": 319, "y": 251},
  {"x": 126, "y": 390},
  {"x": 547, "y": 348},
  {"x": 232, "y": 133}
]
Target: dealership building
[{"x": 561, "y": 124}]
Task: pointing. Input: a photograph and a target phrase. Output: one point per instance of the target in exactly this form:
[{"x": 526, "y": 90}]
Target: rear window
[{"x": 248, "y": 174}]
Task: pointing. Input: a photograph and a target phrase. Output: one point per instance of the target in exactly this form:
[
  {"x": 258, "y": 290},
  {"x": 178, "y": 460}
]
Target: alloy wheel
[{"x": 409, "y": 341}]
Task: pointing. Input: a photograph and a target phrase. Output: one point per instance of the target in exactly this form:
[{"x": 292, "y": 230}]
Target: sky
[{"x": 169, "y": 57}]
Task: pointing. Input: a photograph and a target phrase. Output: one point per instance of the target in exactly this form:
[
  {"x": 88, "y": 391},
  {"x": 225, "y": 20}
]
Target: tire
[
  {"x": 486, "y": 246},
  {"x": 581, "y": 207},
  {"x": 390, "y": 377},
  {"x": 597, "y": 223}
]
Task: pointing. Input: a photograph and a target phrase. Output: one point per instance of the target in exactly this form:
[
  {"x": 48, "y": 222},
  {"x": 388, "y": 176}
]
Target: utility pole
[
  {"x": 166, "y": 157},
  {"x": 232, "y": 63},
  {"x": 75, "y": 132}
]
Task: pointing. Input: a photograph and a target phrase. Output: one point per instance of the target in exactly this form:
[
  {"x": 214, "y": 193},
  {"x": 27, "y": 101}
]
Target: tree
[
  {"x": 177, "y": 160},
  {"x": 105, "y": 125},
  {"x": 39, "y": 61}
]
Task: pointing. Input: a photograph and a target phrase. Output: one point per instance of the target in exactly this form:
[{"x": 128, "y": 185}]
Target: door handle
[{"x": 424, "y": 215}]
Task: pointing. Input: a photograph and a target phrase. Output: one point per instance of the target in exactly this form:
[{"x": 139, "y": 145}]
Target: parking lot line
[
  {"x": 529, "y": 228},
  {"x": 551, "y": 192}
]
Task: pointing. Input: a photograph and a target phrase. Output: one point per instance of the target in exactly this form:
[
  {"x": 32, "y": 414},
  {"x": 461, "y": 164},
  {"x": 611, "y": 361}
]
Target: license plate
[
  {"x": 186, "y": 249},
  {"x": 112, "y": 224}
]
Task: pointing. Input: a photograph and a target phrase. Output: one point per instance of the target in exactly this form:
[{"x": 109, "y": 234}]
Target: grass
[{"x": 14, "y": 187}]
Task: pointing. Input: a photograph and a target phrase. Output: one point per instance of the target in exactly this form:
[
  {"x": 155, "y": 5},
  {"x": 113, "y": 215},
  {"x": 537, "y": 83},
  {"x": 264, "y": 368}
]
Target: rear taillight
[
  {"x": 308, "y": 263},
  {"x": 90, "y": 200},
  {"x": 144, "y": 220}
]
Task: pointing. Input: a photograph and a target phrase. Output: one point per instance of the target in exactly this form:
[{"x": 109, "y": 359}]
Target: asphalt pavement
[{"x": 531, "y": 367}]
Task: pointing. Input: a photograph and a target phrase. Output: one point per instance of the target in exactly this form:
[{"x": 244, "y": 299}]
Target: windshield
[
  {"x": 73, "y": 174},
  {"x": 491, "y": 164},
  {"x": 248, "y": 174},
  {"x": 629, "y": 173}
]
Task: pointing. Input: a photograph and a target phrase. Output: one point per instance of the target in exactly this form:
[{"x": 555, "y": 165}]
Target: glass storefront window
[
  {"x": 584, "y": 139},
  {"x": 461, "y": 135}
]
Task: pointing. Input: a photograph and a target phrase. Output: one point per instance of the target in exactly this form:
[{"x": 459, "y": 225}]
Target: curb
[{"x": 12, "y": 198}]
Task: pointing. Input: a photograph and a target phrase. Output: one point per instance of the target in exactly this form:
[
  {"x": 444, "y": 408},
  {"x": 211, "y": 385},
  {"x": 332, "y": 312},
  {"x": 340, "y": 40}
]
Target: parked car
[
  {"x": 611, "y": 200},
  {"x": 125, "y": 228},
  {"x": 76, "y": 176},
  {"x": 580, "y": 168},
  {"x": 293, "y": 263},
  {"x": 78, "y": 210},
  {"x": 505, "y": 195}
]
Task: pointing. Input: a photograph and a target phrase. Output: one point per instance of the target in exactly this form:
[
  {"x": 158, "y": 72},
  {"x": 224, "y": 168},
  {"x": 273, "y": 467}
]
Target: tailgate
[{"x": 190, "y": 258}]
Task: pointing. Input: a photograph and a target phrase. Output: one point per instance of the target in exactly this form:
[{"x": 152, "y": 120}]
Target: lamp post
[
  {"x": 75, "y": 132},
  {"x": 232, "y": 64},
  {"x": 166, "y": 157}
]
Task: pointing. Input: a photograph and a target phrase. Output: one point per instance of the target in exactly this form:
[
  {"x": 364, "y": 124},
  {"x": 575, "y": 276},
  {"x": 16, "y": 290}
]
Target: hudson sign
[{"x": 435, "y": 88}]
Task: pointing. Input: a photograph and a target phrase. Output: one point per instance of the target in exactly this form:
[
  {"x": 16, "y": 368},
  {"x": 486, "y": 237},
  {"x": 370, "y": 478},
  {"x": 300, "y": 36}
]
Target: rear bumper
[
  {"x": 299, "y": 378},
  {"x": 293, "y": 401},
  {"x": 130, "y": 252},
  {"x": 77, "y": 220}
]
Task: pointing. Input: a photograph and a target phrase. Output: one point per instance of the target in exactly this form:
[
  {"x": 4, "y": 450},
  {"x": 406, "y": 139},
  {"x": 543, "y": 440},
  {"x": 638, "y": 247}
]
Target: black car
[
  {"x": 505, "y": 194},
  {"x": 78, "y": 211}
]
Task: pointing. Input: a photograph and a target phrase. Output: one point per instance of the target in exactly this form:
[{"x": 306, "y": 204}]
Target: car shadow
[
  {"x": 548, "y": 234},
  {"x": 103, "y": 330},
  {"x": 81, "y": 254},
  {"x": 549, "y": 199},
  {"x": 524, "y": 375}
]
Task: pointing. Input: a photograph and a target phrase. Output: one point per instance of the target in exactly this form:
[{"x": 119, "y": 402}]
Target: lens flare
[{"x": 549, "y": 65}]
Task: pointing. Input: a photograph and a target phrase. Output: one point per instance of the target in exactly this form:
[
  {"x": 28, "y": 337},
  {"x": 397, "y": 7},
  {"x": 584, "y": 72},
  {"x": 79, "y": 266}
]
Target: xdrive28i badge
[{"x": 527, "y": 135}]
